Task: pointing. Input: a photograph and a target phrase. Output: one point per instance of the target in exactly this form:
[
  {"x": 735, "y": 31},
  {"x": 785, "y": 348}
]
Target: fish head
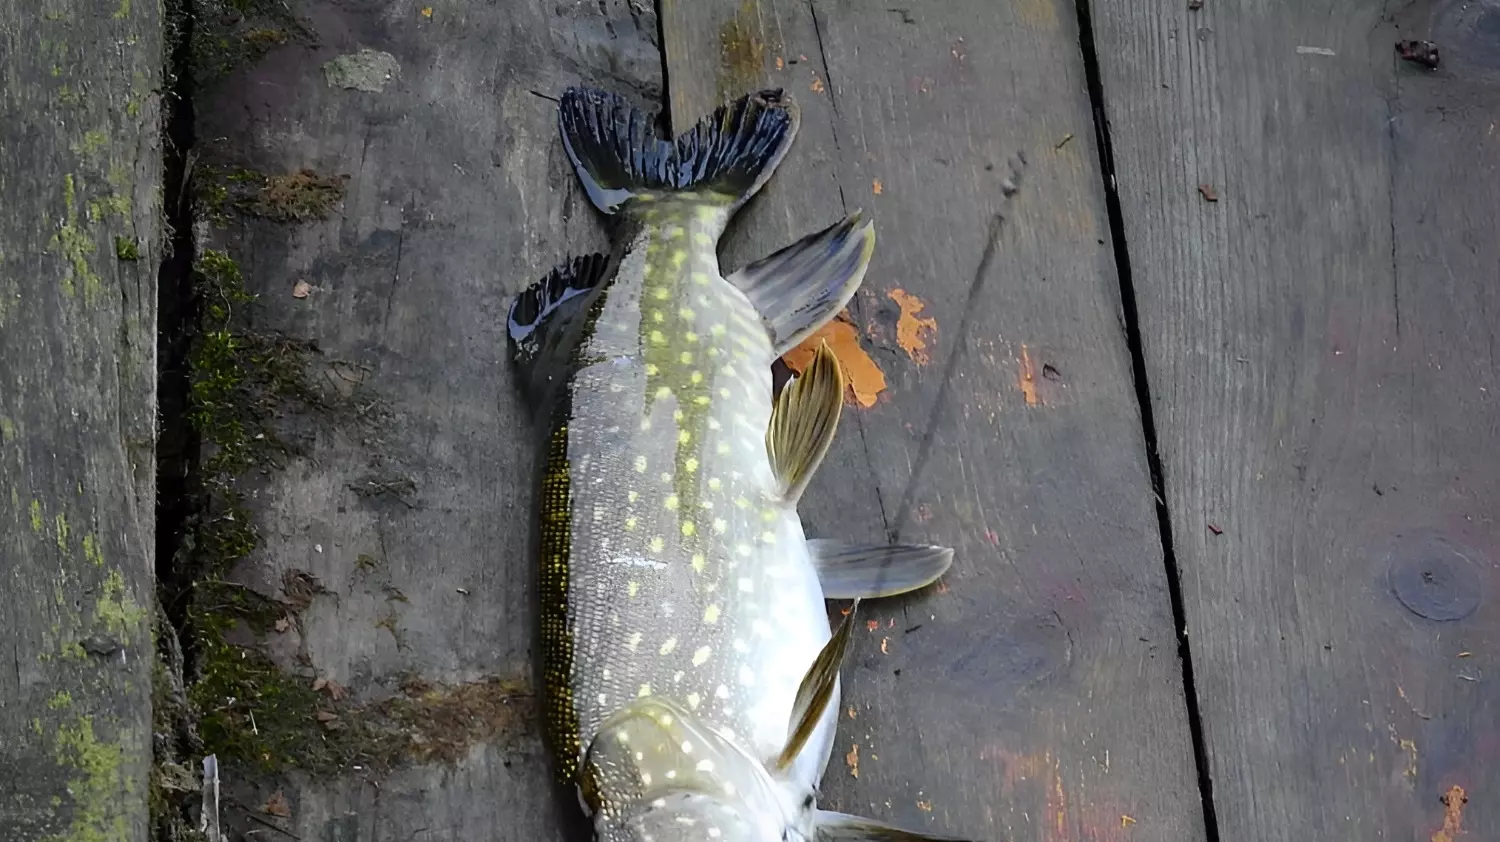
[{"x": 657, "y": 773}]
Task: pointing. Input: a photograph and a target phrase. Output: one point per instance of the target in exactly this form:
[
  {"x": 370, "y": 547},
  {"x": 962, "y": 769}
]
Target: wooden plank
[
  {"x": 1035, "y": 694},
  {"x": 80, "y": 171},
  {"x": 407, "y": 496},
  {"x": 1320, "y": 347}
]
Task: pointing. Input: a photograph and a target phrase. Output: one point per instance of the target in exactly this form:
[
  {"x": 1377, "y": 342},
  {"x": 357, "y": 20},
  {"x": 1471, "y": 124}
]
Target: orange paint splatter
[
  {"x": 913, "y": 331},
  {"x": 1028, "y": 379},
  {"x": 866, "y": 380},
  {"x": 780, "y": 63},
  {"x": 1453, "y": 815},
  {"x": 852, "y": 759},
  {"x": 427, "y": 12},
  {"x": 817, "y": 85},
  {"x": 924, "y": 805},
  {"x": 877, "y": 187}
]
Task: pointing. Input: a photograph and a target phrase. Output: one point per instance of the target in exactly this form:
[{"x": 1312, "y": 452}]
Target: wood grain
[
  {"x": 80, "y": 168},
  {"x": 1320, "y": 348},
  {"x": 1035, "y": 694},
  {"x": 416, "y": 516}
]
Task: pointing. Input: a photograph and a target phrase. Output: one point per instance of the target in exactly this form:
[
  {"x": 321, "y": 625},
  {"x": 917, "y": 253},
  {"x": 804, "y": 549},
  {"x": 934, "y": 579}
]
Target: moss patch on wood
[{"x": 302, "y": 196}]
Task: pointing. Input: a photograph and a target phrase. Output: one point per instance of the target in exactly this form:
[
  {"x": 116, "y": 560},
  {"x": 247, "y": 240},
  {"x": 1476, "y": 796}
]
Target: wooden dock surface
[{"x": 1207, "y": 407}]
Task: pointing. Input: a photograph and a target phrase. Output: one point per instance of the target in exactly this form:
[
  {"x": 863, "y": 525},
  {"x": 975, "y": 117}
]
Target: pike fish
[{"x": 690, "y": 674}]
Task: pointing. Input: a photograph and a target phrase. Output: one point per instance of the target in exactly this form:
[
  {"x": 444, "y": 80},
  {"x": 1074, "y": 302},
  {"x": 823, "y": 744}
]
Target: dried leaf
[
  {"x": 302, "y": 290},
  {"x": 283, "y": 624},
  {"x": 1209, "y": 193},
  {"x": 276, "y": 805},
  {"x": 325, "y": 716}
]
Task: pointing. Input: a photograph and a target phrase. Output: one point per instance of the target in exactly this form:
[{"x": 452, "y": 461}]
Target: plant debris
[
  {"x": 1209, "y": 193},
  {"x": 1420, "y": 52}
]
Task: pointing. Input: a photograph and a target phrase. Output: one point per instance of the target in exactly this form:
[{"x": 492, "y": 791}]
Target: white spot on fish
[
  {"x": 640, "y": 464},
  {"x": 672, "y": 502},
  {"x": 711, "y": 614},
  {"x": 633, "y": 641},
  {"x": 693, "y": 699},
  {"x": 746, "y": 585},
  {"x": 700, "y": 657},
  {"x": 668, "y": 646},
  {"x": 641, "y": 694}
]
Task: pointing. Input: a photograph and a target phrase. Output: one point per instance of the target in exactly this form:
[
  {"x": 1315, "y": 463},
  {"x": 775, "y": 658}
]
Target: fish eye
[{"x": 807, "y": 802}]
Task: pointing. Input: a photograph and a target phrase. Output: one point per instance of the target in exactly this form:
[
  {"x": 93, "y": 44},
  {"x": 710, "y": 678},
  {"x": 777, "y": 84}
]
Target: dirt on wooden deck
[{"x": 1206, "y": 407}]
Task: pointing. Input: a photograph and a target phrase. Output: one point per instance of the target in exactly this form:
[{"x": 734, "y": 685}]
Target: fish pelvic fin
[
  {"x": 728, "y": 156},
  {"x": 815, "y": 692},
  {"x": 541, "y": 316},
  {"x": 829, "y": 826},
  {"x": 803, "y": 286},
  {"x": 871, "y": 571},
  {"x": 803, "y": 422}
]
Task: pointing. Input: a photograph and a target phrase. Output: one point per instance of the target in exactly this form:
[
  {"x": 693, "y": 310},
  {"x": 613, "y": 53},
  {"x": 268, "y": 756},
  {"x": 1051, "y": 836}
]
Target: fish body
[{"x": 690, "y": 672}]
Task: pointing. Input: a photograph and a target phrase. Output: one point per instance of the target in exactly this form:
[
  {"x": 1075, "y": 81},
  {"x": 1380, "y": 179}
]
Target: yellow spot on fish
[
  {"x": 663, "y": 393},
  {"x": 711, "y": 614},
  {"x": 678, "y": 415},
  {"x": 690, "y": 336},
  {"x": 652, "y": 370},
  {"x": 702, "y": 239},
  {"x": 742, "y": 502},
  {"x": 717, "y": 330},
  {"x": 696, "y": 377},
  {"x": 645, "y": 423},
  {"x": 658, "y": 338},
  {"x": 640, "y": 464},
  {"x": 633, "y": 641},
  {"x": 722, "y": 448},
  {"x": 714, "y": 483},
  {"x": 686, "y": 357},
  {"x": 633, "y": 496},
  {"x": 668, "y": 645},
  {"x": 658, "y": 316},
  {"x": 688, "y": 528},
  {"x": 683, "y": 437},
  {"x": 641, "y": 694},
  {"x": 657, "y": 544},
  {"x": 685, "y": 313},
  {"x": 630, "y": 523},
  {"x": 666, "y": 477},
  {"x": 720, "y": 526},
  {"x": 672, "y": 502},
  {"x": 768, "y": 537},
  {"x": 743, "y": 549},
  {"x": 713, "y": 423},
  {"x": 700, "y": 278},
  {"x": 769, "y": 515},
  {"x": 633, "y": 588},
  {"x": 701, "y": 400},
  {"x": 678, "y": 258},
  {"x": 698, "y": 562},
  {"x": 723, "y": 393},
  {"x": 691, "y": 463},
  {"x": 700, "y": 657},
  {"x": 660, "y": 293},
  {"x": 693, "y": 699}
]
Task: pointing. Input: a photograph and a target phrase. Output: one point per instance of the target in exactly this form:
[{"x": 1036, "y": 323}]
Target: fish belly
[{"x": 674, "y": 568}]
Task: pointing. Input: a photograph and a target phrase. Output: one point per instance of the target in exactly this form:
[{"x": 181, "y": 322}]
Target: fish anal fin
[
  {"x": 829, "y": 826},
  {"x": 871, "y": 571},
  {"x": 803, "y": 286},
  {"x": 803, "y": 421},
  {"x": 815, "y": 691},
  {"x": 540, "y": 315},
  {"x": 730, "y": 154}
]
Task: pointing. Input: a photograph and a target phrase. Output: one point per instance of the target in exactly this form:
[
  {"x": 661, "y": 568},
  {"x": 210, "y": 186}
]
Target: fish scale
[{"x": 690, "y": 673}]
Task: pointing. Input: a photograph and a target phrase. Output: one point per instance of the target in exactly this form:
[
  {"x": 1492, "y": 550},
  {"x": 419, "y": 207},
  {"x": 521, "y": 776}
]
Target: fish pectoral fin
[
  {"x": 802, "y": 287},
  {"x": 829, "y": 826},
  {"x": 870, "y": 571},
  {"x": 815, "y": 691},
  {"x": 729, "y": 154},
  {"x": 540, "y": 314},
  {"x": 803, "y": 422}
]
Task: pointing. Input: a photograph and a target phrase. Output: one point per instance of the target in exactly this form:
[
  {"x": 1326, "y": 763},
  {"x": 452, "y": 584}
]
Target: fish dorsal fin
[
  {"x": 541, "y": 314},
  {"x": 800, "y": 288},
  {"x": 618, "y": 157},
  {"x": 870, "y": 571},
  {"x": 815, "y": 691},
  {"x": 803, "y": 422},
  {"x": 829, "y": 826}
]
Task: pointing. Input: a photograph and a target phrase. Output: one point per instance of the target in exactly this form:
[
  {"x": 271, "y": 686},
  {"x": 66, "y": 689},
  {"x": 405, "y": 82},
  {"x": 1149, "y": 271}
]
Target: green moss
[
  {"x": 76, "y": 246},
  {"x": 7, "y": 430},
  {"x": 228, "y": 34},
  {"x": 118, "y": 611},
  {"x": 91, "y": 550},
  {"x": 61, "y": 521},
  {"x": 94, "y": 141},
  {"x": 123, "y": 11},
  {"x": 126, "y": 249},
  {"x": 36, "y": 517},
  {"x": 290, "y": 197},
  {"x": 99, "y": 812},
  {"x": 60, "y": 700}
]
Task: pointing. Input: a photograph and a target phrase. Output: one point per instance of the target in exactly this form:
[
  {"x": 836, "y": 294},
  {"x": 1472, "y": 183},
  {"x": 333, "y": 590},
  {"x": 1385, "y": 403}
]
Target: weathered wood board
[
  {"x": 416, "y": 515},
  {"x": 1035, "y": 694},
  {"x": 1320, "y": 347},
  {"x": 80, "y": 171}
]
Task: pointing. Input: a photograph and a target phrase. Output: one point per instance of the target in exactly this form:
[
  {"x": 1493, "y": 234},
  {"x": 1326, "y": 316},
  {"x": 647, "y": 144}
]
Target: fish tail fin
[{"x": 728, "y": 156}]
